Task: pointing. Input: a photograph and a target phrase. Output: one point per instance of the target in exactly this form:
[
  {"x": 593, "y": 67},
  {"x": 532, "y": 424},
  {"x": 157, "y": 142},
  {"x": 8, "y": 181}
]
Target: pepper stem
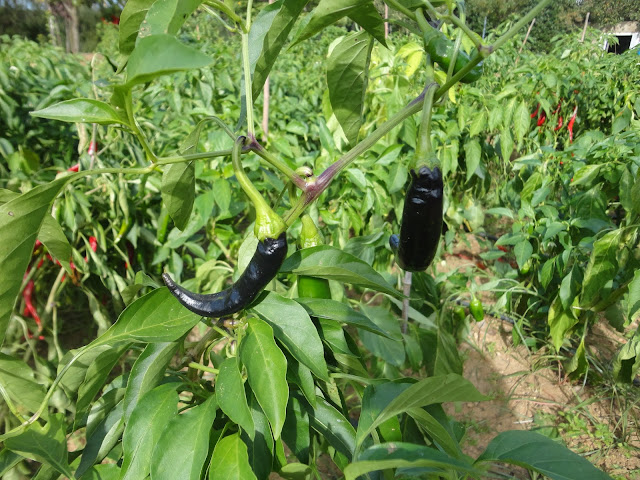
[
  {"x": 424, "y": 149},
  {"x": 268, "y": 223}
]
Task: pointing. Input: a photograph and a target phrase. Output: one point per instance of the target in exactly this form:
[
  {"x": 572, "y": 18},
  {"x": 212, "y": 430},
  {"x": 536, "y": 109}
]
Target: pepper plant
[{"x": 279, "y": 368}]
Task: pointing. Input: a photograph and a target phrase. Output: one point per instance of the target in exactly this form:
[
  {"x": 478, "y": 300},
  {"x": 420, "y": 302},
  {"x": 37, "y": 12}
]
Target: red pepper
[
  {"x": 570, "y": 124},
  {"x": 559, "y": 125},
  {"x": 503, "y": 248},
  {"x": 27, "y": 295},
  {"x": 558, "y": 107},
  {"x": 536, "y": 112},
  {"x": 74, "y": 168},
  {"x": 93, "y": 243},
  {"x": 542, "y": 119},
  {"x": 40, "y": 263},
  {"x": 93, "y": 148}
]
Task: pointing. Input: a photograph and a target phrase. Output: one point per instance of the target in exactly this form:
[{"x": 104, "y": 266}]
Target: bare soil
[{"x": 529, "y": 391}]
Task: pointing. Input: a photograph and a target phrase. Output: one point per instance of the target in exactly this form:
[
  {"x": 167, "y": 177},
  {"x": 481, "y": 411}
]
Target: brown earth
[{"x": 529, "y": 391}]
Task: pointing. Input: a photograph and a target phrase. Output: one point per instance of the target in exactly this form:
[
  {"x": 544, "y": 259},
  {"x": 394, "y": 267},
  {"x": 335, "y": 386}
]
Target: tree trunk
[{"x": 72, "y": 28}]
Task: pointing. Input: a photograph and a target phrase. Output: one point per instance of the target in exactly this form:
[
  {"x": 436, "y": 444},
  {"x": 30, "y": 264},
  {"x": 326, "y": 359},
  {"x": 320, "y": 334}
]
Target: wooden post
[
  {"x": 525, "y": 40},
  {"x": 584, "y": 30},
  {"x": 386, "y": 23}
]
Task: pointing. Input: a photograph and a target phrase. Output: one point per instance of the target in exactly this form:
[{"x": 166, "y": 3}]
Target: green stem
[
  {"x": 290, "y": 173},
  {"x": 248, "y": 91},
  {"x": 192, "y": 156},
  {"x": 136, "y": 130},
  {"x": 268, "y": 223},
  {"x": 203, "y": 368},
  {"x": 227, "y": 11},
  {"x": 395, "y": 5},
  {"x": 424, "y": 149}
]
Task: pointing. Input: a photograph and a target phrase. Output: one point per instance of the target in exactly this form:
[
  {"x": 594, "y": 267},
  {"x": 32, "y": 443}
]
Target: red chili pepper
[
  {"x": 93, "y": 243},
  {"x": 503, "y": 248},
  {"x": 74, "y": 168},
  {"x": 27, "y": 295},
  {"x": 93, "y": 148},
  {"x": 37, "y": 245},
  {"x": 559, "y": 125},
  {"x": 481, "y": 265},
  {"x": 542, "y": 119},
  {"x": 40, "y": 263},
  {"x": 536, "y": 112},
  {"x": 558, "y": 107},
  {"x": 570, "y": 124}
]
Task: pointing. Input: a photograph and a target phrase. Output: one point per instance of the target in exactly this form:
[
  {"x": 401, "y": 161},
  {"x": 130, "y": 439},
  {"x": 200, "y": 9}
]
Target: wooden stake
[
  {"x": 584, "y": 30},
  {"x": 386, "y": 24},
  {"x": 265, "y": 105},
  {"x": 526, "y": 37}
]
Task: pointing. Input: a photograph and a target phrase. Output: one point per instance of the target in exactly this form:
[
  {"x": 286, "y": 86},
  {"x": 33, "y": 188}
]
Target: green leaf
[
  {"x": 369, "y": 18},
  {"x": 542, "y": 454},
  {"x": 151, "y": 415},
  {"x": 162, "y": 55},
  {"x": 20, "y": 221},
  {"x": 347, "y": 75},
  {"x": 333, "y": 426},
  {"x": 268, "y": 34},
  {"x": 622, "y": 121},
  {"x": 231, "y": 396},
  {"x": 109, "y": 471},
  {"x": 267, "y": 372},
  {"x": 260, "y": 449},
  {"x": 443, "y": 438},
  {"x": 374, "y": 400},
  {"x": 328, "y": 12},
  {"x": 506, "y": 144},
  {"x": 577, "y": 365},
  {"x": 438, "y": 389},
  {"x": 47, "y": 445},
  {"x": 101, "y": 439},
  {"x": 340, "y": 312},
  {"x": 521, "y": 120},
  {"x": 331, "y": 263},
  {"x": 296, "y": 433},
  {"x": 131, "y": 17},
  {"x": 8, "y": 460},
  {"x": 17, "y": 379},
  {"x": 523, "y": 251},
  {"x": 473, "y": 153},
  {"x": 53, "y": 237},
  {"x": 295, "y": 330},
  {"x": 633, "y": 299},
  {"x": 230, "y": 460},
  {"x": 478, "y": 124},
  {"x": 178, "y": 191},
  {"x": 397, "y": 178},
  {"x": 154, "y": 317},
  {"x": 560, "y": 322},
  {"x": 626, "y": 363},
  {"x": 81, "y": 110},
  {"x": 391, "y": 348},
  {"x": 183, "y": 446},
  {"x": 166, "y": 16},
  {"x": 602, "y": 267},
  {"x": 407, "y": 455},
  {"x": 147, "y": 371},
  {"x": 96, "y": 377}
]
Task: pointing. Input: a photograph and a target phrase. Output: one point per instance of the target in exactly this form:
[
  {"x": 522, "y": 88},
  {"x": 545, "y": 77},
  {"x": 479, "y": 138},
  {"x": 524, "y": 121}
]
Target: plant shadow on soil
[{"x": 529, "y": 392}]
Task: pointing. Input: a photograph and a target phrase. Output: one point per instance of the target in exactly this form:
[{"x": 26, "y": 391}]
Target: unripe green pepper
[
  {"x": 459, "y": 313},
  {"x": 475, "y": 307},
  {"x": 440, "y": 48},
  {"x": 311, "y": 287}
]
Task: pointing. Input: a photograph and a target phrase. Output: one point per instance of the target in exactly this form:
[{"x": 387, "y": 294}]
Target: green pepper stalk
[
  {"x": 311, "y": 287},
  {"x": 268, "y": 223}
]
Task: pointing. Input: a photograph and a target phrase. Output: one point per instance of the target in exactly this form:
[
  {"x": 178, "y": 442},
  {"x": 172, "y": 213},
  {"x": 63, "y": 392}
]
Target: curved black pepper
[
  {"x": 421, "y": 220},
  {"x": 264, "y": 265}
]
